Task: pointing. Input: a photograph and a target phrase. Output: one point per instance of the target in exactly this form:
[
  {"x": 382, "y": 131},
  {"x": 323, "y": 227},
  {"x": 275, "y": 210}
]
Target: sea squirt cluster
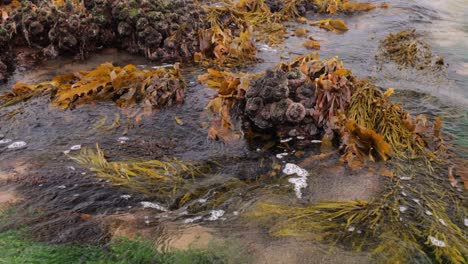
[
  {"x": 300, "y": 99},
  {"x": 282, "y": 101},
  {"x": 160, "y": 30}
]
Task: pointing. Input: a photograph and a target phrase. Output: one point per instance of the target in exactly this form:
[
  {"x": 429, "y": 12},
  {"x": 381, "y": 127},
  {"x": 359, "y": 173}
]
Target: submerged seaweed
[
  {"x": 406, "y": 49},
  {"x": 126, "y": 86},
  {"x": 163, "y": 178}
]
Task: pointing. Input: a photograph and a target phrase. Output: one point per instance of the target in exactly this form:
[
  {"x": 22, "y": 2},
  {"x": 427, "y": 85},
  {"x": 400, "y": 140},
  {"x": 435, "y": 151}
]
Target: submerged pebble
[
  {"x": 17, "y": 145},
  {"x": 299, "y": 182},
  {"x": 154, "y": 206},
  {"x": 436, "y": 242}
]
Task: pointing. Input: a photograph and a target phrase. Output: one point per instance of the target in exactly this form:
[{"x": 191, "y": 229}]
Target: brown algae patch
[{"x": 407, "y": 49}]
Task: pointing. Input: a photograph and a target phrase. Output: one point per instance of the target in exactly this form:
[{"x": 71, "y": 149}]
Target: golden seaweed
[
  {"x": 159, "y": 177},
  {"x": 127, "y": 86}
]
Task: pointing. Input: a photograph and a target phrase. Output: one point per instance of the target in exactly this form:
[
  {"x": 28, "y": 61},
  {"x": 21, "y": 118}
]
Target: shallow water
[{"x": 48, "y": 132}]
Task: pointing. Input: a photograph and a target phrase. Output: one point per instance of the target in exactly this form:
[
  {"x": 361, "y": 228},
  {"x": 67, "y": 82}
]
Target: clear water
[{"x": 48, "y": 132}]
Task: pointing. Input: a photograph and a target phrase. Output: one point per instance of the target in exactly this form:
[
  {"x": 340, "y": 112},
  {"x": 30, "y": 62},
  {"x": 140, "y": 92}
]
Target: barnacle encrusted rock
[
  {"x": 280, "y": 101},
  {"x": 299, "y": 99}
]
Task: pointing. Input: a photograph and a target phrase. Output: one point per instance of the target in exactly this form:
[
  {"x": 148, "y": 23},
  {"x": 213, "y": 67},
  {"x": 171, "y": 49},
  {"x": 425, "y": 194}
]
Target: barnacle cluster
[
  {"x": 6, "y": 55},
  {"x": 298, "y": 100},
  {"x": 157, "y": 29},
  {"x": 302, "y": 6},
  {"x": 55, "y": 30}
]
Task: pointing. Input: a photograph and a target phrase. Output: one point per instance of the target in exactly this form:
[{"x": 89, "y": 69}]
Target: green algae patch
[{"x": 17, "y": 248}]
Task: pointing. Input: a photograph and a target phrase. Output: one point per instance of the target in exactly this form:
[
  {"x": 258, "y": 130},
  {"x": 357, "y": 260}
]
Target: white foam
[
  {"x": 428, "y": 212},
  {"x": 466, "y": 221},
  {"x": 316, "y": 141},
  {"x": 403, "y": 208},
  {"x": 123, "y": 140},
  {"x": 285, "y": 140},
  {"x": 299, "y": 182},
  {"x": 442, "y": 222},
  {"x": 265, "y": 47},
  {"x": 281, "y": 155},
  {"x": 126, "y": 196},
  {"x": 75, "y": 147},
  {"x": 202, "y": 201},
  {"x": 436, "y": 242},
  {"x": 17, "y": 144},
  {"x": 191, "y": 220},
  {"x": 215, "y": 215},
  {"x": 154, "y": 206},
  {"x": 5, "y": 141}
]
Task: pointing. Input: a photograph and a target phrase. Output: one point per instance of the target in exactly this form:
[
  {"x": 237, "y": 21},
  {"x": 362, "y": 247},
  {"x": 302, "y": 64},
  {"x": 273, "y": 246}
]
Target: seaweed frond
[
  {"x": 127, "y": 86},
  {"x": 160, "y": 177}
]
